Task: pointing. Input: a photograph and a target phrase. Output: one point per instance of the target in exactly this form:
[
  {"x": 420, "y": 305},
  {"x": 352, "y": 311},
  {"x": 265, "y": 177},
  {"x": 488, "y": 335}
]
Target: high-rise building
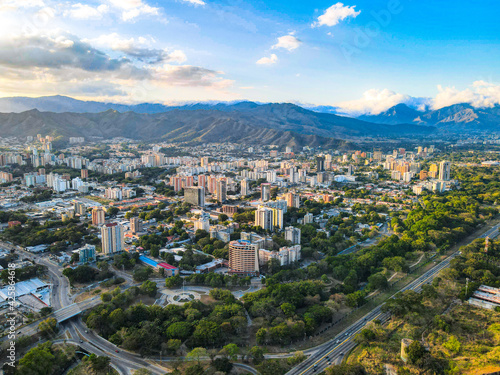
[
  {"x": 112, "y": 238},
  {"x": 204, "y": 161},
  {"x": 202, "y": 224},
  {"x": 195, "y": 195},
  {"x": 212, "y": 184},
  {"x": 265, "y": 192},
  {"x": 445, "y": 171},
  {"x": 264, "y": 218},
  {"x": 292, "y": 234},
  {"x": 433, "y": 171},
  {"x": 98, "y": 216},
  {"x": 87, "y": 253},
  {"x": 135, "y": 225},
  {"x": 245, "y": 188},
  {"x": 221, "y": 190},
  {"x": 79, "y": 208},
  {"x": 85, "y": 173},
  {"x": 202, "y": 180},
  {"x": 243, "y": 257},
  {"x": 308, "y": 218},
  {"x": 278, "y": 218},
  {"x": 320, "y": 163},
  {"x": 292, "y": 200}
]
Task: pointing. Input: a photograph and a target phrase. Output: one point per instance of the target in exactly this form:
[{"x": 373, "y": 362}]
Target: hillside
[
  {"x": 244, "y": 122},
  {"x": 457, "y": 118}
]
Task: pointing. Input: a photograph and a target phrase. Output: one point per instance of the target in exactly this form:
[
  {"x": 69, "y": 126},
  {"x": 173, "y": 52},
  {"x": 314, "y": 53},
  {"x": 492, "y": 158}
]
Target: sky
[{"x": 362, "y": 56}]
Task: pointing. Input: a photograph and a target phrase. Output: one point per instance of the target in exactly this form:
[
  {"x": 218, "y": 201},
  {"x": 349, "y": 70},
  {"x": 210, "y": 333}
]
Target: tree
[
  {"x": 365, "y": 336},
  {"x": 149, "y": 288},
  {"x": 223, "y": 365},
  {"x": 142, "y": 274},
  {"x": 197, "y": 354},
  {"x": 257, "y": 354},
  {"x": 223, "y": 217},
  {"x": 112, "y": 211},
  {"x": 452, "y": 344},
  {"x": 174, "y": 281},
  {"x": 345, "y": 369},
  {"x": 99, "y": 363},
  {"x": 103, "y": 266},
  {"x": 38, "y": 360},
  {"x": 173, "y": 345},
  {"x": 44, "y": 311},
  {"x": 179, "y": 330},
  {"x": 377, "y": 281},
  {"x": 231, "y": 351},
  {"x": 207, "y": 332},
  {"x": 415, "y": 352},
  {"x": 355, "y": 299},
  {"x": 288, "y": 309},
  {"x": 48, "y": 326}
]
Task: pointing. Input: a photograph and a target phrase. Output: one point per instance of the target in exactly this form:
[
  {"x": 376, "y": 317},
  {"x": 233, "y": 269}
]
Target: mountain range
[
  {"x": 244, "y": 122},
  {"x": 457, "y": 118}
]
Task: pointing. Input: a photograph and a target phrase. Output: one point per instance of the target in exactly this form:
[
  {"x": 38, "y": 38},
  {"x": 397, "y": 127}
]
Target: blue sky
[{"x": 362, "y": 56}]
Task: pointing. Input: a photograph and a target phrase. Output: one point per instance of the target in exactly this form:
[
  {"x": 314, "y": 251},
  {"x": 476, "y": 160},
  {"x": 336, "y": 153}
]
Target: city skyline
[{"x": 362, "y": 56}]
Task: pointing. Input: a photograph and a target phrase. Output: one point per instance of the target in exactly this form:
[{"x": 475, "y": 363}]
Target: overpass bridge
[{"x": 74, "y": 309}]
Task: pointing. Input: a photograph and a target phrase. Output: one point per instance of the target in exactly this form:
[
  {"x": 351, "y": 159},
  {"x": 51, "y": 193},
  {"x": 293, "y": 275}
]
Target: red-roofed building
[{"x": 169, "y": 269}]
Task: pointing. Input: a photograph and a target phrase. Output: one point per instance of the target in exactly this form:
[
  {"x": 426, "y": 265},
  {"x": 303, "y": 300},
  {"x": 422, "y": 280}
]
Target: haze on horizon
[{"x": 362, "y": 56}]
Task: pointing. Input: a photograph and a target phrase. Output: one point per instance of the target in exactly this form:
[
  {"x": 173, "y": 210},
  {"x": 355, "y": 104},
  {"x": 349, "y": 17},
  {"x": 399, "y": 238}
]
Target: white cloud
[
  {"x": 86, "y": 12},
  {"x": 289, "y": 42},
  {"x": 374, "y": 101},
  {"x": 195, "y": 2},
  {"x": 131, "y": 9},
  {"x": 139, "y": 48},
  {"x": 336, "y": 13},
  {"x": 273, "y": 59},
  {"x": 13, "y": 5},
  {"x": 481, "y": 94},
  {"x": 44, "y": 62},
  {"x": 188, "y": 75}
]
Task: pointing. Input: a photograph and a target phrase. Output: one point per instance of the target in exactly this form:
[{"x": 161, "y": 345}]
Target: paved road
[{"x": 333, "y": 351}]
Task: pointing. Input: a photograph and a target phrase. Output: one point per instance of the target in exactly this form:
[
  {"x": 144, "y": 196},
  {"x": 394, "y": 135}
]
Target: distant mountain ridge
[
  {"x": 61, "y": 104},
  {"x": 242, "y": 121},
  {"x": 455, "y": 118},
  {"x": 245, "y": 122}
]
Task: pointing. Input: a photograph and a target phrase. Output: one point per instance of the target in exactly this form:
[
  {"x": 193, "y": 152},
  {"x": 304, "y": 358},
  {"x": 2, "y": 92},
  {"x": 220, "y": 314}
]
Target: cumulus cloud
[
  {"x": 58, "y": 61},
  {"x": 138, "y": 48},
  {"x": 187, "y": 75},
  {"x": 273, "y": 59},
  {"x": 480, "y": 95},
  {"x": 336, "y": 13},
  {"x": 195, "y": 2},
  {"x": 54, "y": 50},
  {"x": 86, "y": 12},
  {"x": 131, "y": 9},
  {"x": 375, "y": 101},
  {"x": 288, "y": 42}
]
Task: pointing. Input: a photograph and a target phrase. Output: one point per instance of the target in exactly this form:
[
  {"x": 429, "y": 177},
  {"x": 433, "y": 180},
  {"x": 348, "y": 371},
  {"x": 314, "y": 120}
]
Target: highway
[
  {"x": 333, "y": 351},
  {"x": 322, "y": 356}
]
